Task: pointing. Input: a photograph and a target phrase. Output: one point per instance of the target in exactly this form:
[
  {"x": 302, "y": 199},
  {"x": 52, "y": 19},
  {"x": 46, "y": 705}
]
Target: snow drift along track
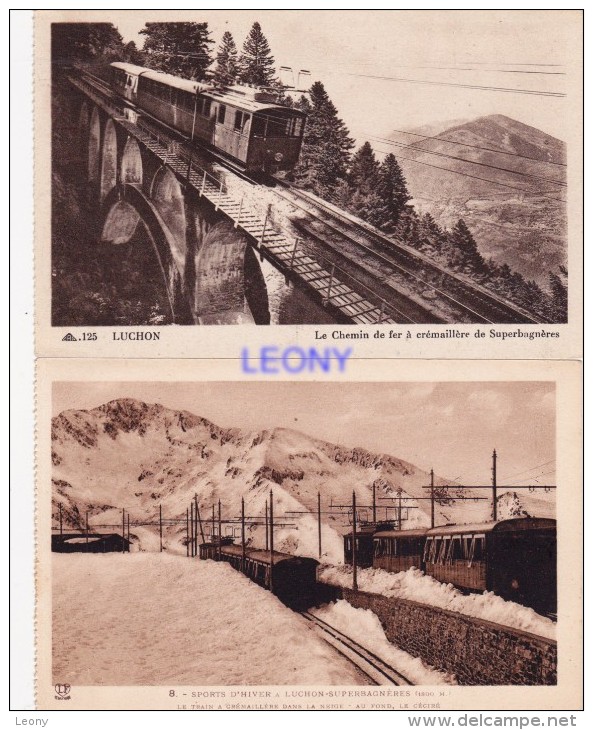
[{"x": 378, "y": 671}]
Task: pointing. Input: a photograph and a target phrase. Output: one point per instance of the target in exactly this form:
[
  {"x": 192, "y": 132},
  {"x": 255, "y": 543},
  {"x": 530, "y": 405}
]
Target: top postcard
[{"x": 398, "y": 183}]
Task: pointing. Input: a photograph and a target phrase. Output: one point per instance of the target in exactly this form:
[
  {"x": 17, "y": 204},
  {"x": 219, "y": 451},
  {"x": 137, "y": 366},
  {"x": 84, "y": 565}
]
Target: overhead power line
[
  {"x": 525, "y": 471},
  {"x": 533, "y": 479},
  {"x": 475, "y": 147},
  {"x": 477, "y": 177},
  {"x": 502, "y": 89},
  {"x": 469, "y": 162},
  {"x": 487, "y": 70}
]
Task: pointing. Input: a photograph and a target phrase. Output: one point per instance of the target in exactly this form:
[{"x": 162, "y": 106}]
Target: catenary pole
[{"x": 354, "y": 556}]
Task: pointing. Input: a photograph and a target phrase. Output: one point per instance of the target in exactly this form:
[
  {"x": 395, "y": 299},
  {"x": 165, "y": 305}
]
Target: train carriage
[
  {"x": 397, "y": 550},
  {"x": 293, "y": 578},
  {"x": 364, "y": 546},
  {"x": 515, "y": 558},
  {"x": 124, "y": 79},
  {"x": 241, "y": 122}
]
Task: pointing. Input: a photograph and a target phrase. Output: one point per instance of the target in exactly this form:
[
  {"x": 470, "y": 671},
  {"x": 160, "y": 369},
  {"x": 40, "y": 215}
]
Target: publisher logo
[{"x": 62, "y": 691}]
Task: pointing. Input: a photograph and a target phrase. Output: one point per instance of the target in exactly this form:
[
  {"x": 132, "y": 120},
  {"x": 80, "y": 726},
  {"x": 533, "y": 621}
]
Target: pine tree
[
  {"x": 227, "y": 61},
  {"x": 256, "y": 63},
  {"x": 85, "y": 42},
  {"x": 559, "y": 288},
  {"x": 326, "y": 144},
  {"x": 181, "y": 49},
  {"x": 131, "y": 54},
  {"x": 393, "y": 190},
  {"x": 363, "y": 175},
  {"x": 463, "y": 250},
  {"x": 369, "y": 206}
]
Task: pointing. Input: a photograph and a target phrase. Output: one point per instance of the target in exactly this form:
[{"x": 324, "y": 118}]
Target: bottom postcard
[{"x": 406, "y": 535}]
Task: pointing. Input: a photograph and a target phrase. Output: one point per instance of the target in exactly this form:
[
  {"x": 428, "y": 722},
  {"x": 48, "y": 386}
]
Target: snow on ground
[
  {"x": 154, "y": 619},
  {"x": 415, "y": 586},
  {"x": 364, "y": 626}
]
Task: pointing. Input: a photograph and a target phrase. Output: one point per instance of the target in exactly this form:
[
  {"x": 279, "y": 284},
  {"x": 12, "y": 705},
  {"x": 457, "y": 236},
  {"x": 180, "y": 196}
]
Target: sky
[
  {"x": 527, "y": 50},
  {"x": 451, "y": 427}
]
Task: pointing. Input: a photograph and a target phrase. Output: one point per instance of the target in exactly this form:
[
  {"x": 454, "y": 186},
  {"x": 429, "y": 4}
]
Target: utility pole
[
  {"x": 187, "y": 532},
  {"x": 161, "y": 527},
  {"x": 432, "y": 497},
  {"x": 213, "y": 531},
  {"x": 494, "y": 497},
  {"x": 319, "y": 521},
  {"x": 60, "y": 507},
  {"x": 128, "y": 545},
  {"x": 492, "y": 487},
  {"x": 86, "y": 529},
  {"x": 219, "y": 532},
  {"x": 267, "y": 545},
  {"x": 374, "y": 504},
  {"x": 399, "y": 509},
  {"x": 199, "y": 518},
  {"x": 191, "y": 529},
  {"x": 354, "y": 565},
  {"x": 123, "y": 530},
  {"x": 242, "y": 535},
  {"x": 271, "y": 586}
]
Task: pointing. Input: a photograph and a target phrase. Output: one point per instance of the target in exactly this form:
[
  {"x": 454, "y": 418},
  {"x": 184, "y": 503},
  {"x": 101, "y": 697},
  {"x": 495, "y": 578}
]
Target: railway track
[
  {"x": 475, "y": 304},
  {"x": 394, "y": 273},
  {"x": 377, "y": 670}
]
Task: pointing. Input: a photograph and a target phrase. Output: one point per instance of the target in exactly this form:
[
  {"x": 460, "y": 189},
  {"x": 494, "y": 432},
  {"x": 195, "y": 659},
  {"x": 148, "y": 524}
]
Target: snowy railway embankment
[
  {"x": 157, "y": 619},
  {"x": 481, "y": 639}
]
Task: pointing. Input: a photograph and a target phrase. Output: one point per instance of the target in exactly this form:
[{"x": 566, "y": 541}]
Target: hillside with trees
[{"x": 329, "y": 166}]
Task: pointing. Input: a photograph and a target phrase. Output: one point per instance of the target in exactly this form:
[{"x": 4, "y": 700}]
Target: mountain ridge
[
  {"x": 127, "y": 454},
  {"x": 511, "y": 199}
]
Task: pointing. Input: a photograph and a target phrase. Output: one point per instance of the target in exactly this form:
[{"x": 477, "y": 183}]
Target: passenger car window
[{"x": 221, "y": 113}]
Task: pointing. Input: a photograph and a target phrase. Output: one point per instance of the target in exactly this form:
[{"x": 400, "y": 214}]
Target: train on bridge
[
  {"x": 243, "y": 123},
  {"x": 514, "y": 558}
]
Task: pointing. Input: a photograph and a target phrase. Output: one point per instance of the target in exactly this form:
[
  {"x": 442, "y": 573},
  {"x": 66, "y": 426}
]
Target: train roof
[
  {"x": 362, "y": 531},
  {"x": 193, "y": 87},
  {"x": 512, "y": 525},
  {"x": 129, "y": 67},
  {"x": 420, "y": 532},
  {"x": 263, "y": 556},
  {"x": 251, "y": 105}
]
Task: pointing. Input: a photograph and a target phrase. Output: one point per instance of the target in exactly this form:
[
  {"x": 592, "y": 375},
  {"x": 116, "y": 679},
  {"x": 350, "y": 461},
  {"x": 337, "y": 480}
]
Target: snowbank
[
  {"x": 415, "y": 586},
  {"x": 154, "y": 619},
  {"x": 364, "y": 626}
]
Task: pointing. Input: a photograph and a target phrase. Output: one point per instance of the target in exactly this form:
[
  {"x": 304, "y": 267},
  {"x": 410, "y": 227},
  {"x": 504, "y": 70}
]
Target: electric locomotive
[{"x": 243, "y": 123}]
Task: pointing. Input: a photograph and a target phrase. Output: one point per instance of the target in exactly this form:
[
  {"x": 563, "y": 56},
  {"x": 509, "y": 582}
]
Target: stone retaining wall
[{"x": 475, "y": 651}]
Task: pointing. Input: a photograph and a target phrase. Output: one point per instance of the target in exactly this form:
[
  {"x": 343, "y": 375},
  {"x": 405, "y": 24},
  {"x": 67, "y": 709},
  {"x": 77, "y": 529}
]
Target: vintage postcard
[
  {"x": 409, "y": 182},
  {"x": 407, "y": 536}
]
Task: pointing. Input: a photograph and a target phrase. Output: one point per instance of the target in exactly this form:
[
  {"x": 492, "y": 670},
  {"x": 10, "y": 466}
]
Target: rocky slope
[
  {"x": 515, "y": 212},
  {"x": 136, "y": 456}
]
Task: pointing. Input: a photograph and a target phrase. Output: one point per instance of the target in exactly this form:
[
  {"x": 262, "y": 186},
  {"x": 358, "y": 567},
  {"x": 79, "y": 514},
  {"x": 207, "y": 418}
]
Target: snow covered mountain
[{"x": 136, "y": 456}]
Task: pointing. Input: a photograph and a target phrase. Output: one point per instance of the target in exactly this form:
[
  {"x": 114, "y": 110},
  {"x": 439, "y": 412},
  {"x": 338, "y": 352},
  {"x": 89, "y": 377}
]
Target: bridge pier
[{"x": 210, "y": 273}]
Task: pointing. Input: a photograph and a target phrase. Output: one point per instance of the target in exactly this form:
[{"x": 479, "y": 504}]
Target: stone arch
[
  {"x": 225, "y": 270},
  {"x": 124, "y": 208},
  {"x": 108, "y": 159},
  {"x": 131, "y": 170},
  {"x": 167, "y": 197},
  {"x": 84, "y": 121},
  {"x": 94, "y": 147}
]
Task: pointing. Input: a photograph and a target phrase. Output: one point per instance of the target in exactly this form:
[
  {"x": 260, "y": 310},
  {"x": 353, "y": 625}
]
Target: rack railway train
[
  {"x": 293, "y": 579},
  {"x": 514, "y": 558},
  {"x": 241, "y": 122}
]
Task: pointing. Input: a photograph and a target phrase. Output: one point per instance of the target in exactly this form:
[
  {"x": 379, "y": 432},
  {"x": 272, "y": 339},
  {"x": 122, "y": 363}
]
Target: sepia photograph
[
  {"x": 258, "y": 167},
  {"x": 317, "y": 533}
]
